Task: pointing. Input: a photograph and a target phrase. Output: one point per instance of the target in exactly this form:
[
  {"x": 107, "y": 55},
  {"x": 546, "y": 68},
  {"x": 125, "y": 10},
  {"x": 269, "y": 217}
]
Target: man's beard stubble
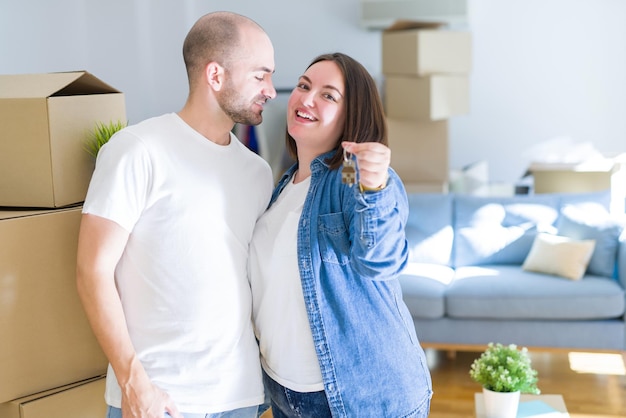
[{"x": 237, "y": 108}]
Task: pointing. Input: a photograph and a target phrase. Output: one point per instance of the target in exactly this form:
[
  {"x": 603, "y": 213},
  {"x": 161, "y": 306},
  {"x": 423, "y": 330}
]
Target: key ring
[{"x": 347, "y": 157}]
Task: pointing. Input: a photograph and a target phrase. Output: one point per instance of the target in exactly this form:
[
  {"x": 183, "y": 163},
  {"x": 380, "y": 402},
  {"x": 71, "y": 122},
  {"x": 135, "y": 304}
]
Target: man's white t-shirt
[{"x": 190, "y": 207}]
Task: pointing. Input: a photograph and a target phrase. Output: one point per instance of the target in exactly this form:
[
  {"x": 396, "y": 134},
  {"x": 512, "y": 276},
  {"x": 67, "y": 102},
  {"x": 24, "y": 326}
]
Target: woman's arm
[{"x": 378, "y": 245}]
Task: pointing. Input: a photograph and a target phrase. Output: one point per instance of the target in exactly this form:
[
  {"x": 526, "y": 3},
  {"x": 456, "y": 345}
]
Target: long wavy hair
[{"x": 365, "y": 117}]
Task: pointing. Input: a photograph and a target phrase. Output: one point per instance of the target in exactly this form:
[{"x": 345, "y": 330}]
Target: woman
[{"x": 336, "y": 338}]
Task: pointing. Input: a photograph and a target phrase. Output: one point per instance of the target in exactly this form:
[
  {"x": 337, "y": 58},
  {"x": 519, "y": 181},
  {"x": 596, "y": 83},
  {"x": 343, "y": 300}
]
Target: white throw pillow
[{"x": 559, "y": 256}]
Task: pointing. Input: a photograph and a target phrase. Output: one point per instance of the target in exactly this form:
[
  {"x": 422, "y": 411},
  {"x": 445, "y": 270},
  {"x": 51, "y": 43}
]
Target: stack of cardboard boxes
[
  {"x": 426, "y": 71},
  {"x": 50, "y": 362}
]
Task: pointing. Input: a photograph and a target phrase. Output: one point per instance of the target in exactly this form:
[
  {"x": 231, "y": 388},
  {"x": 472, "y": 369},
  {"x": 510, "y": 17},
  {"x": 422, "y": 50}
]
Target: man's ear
[{"x": 214, "y": 75}]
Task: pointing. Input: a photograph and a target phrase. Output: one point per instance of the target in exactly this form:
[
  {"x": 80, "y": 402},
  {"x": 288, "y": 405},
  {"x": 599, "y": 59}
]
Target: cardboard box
[
  {"x": 83, "y": 399},
  {"x": 432, "y": 187},
  {"x": 421, "y": 52},
  {"x": 425, "y": 99},
  {"x": 594, "y": 175},
  {"x": 46, "y": 120},
  {"x": 556, "y": 178},
  {"x": 597, "y": 174},
  {"x": 46, "y": 339},
  {"x": 419, "y": 151}
]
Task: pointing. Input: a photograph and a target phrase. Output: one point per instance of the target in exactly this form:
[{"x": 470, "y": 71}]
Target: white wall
[{"x": 542, "y": 68}]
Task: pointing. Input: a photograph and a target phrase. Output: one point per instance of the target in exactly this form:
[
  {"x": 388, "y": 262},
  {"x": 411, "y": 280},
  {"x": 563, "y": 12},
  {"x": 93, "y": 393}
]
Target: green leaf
[
  {"x": 505, "y": 369},
  {"x": 100, "y": 135}
]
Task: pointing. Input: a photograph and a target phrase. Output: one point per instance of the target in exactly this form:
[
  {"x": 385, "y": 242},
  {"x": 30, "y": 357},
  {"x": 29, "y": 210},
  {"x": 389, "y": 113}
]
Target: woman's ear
[{"x": 214, "y": 75}]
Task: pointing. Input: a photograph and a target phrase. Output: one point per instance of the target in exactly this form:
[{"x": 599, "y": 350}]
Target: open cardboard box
[
  {"x": 596, "y": 174},
  {"x": 46, "y": 120},
  {"x": 419, "y": 49}
]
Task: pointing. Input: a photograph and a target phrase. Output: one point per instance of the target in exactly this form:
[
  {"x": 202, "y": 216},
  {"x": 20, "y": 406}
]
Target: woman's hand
[{"x": 373, "y": 159}]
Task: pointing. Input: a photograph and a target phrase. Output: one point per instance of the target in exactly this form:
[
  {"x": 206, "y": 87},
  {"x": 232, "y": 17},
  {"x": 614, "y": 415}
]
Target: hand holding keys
[
  {"x": 372, "y": 160},
  {"x": 348, "y": 172}
]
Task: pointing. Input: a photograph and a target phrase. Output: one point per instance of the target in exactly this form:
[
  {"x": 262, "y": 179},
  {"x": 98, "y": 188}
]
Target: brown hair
[
  {"x": 365, "y": 117},
  {"x": 214, "y": 37}
]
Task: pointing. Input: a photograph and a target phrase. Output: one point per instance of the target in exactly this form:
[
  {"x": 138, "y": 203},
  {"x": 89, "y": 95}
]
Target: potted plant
[
  {"x": 101, "y": 134},
  {"x": 504, "y": 372}
]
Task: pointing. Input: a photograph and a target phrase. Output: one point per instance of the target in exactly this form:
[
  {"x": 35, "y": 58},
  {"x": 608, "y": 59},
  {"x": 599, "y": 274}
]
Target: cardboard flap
[
  {"x": 86, "y": 84},
  {"x": 411, "y": 24},
  {"x": 51, "y": 84},
  {"x": 7, "y": 213}
]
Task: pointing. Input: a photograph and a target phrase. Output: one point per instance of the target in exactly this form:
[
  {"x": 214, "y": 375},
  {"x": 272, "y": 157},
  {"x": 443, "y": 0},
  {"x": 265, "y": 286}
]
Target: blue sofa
[{"x": 465, "y": 284}]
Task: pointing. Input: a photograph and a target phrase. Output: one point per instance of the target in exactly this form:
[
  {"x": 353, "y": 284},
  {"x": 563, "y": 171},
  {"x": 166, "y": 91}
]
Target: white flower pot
[{"x": 500, "y": 404}]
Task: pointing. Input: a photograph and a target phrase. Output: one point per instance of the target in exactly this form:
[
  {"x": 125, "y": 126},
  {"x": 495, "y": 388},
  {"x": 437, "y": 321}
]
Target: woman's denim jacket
[{"x": 351, "y": 248}]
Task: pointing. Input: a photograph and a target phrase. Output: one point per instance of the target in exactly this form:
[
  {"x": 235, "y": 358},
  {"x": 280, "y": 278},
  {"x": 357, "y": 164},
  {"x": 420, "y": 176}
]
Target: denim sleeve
[{"x": 378, "y": 243}]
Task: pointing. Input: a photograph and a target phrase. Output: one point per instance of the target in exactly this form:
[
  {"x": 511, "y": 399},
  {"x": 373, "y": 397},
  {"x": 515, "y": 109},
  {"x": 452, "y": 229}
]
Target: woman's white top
[{"x": 281, "y": 324}]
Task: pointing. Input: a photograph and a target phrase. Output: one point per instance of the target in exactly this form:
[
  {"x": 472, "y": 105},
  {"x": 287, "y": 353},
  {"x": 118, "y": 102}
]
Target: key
[{"x": 348, "y": 172}]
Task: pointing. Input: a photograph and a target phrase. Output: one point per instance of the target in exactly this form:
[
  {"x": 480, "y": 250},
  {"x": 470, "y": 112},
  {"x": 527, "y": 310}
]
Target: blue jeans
[
  {"x": 249, "y": 412},
  {"x": 287, "y": 403}
]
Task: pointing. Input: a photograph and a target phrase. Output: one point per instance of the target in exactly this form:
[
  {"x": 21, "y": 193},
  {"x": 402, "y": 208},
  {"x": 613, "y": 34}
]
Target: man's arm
[{"x": 101, "y": 243}]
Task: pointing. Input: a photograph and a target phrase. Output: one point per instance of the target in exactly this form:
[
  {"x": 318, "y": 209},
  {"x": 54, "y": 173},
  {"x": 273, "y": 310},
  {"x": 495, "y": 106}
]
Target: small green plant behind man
[{"x": 101, "y": 134}]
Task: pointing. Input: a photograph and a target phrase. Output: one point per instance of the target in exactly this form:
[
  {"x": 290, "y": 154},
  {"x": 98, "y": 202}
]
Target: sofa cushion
[
  {"x": 429, "y": 228},
  {"x": 593, "y": 221},
  {"x": 499, "y": 230},
  {"x": 560, "y": 256},
  {"x": 508, "y": 292},
  {"x": 423, "y": 289},
  {"x": 602, "y": 198}
]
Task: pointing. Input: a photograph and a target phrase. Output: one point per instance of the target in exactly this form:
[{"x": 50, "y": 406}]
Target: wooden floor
[
  {"x": 596, "y": 388},
  {"x": 593, "y": 385}
]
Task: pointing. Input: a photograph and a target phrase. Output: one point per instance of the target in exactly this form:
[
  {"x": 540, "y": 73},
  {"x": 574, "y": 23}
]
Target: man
[{"x": 163, "y": 244}]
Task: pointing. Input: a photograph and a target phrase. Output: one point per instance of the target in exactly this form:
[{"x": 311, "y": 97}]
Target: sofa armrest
[{"x": 621, "y": 259}]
